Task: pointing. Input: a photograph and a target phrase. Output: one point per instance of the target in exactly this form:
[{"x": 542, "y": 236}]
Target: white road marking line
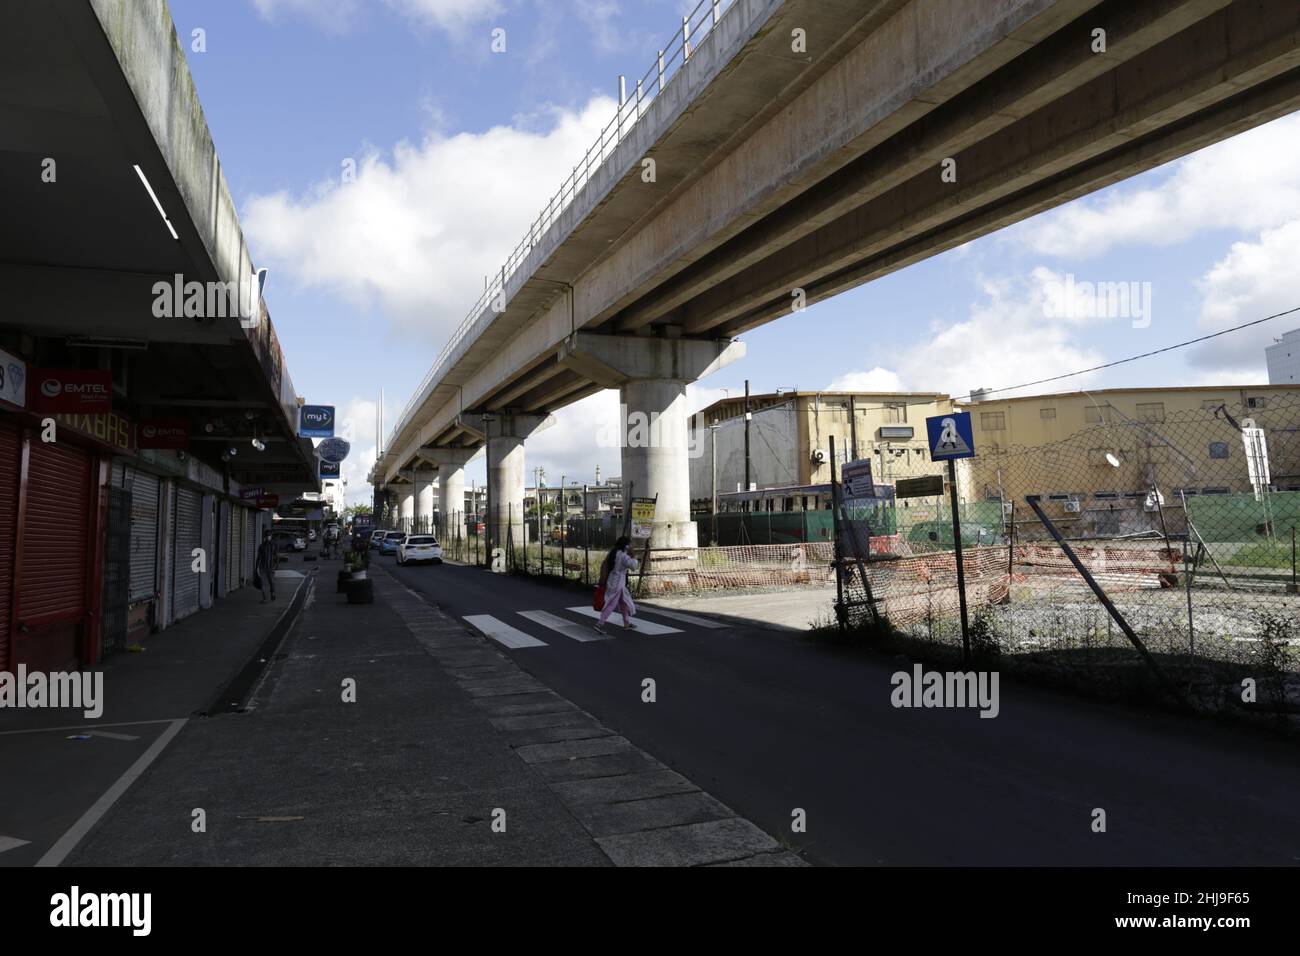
[
  {"x": 501, "y": 632},
  {"x": 679, "y": 616},
  {"x": 68, "y": 842},
  {"x": 49, "y": 730},
  {"x": 11, "y": 843},
  {"x": 579, "y": 632},
  {"x": 615, "y": 623}
]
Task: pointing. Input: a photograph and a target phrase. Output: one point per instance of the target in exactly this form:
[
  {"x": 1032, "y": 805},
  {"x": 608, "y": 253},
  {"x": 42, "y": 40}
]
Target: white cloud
[
  {"x": 356, "y": 423},
  {"x": 1007, "y": 339},
  {"x": 1247, "y": 183},
  {"x": 876, "y": 380},
  {"x": 416, "y": 232},
  {"x": 338, "y": 16},
  {"x": 450, "y": 15},
  {"x": 1253, "y": 280}
]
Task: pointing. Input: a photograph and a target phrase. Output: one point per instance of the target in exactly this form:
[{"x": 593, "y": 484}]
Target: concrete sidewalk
[
  {"x": 61, "y": 772},
  {"x": 449, "y": 755},
  {"x": 792, "y": 610}
]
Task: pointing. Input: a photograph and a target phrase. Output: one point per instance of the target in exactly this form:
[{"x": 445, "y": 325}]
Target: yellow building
[{"x": 1122, "y": 443}]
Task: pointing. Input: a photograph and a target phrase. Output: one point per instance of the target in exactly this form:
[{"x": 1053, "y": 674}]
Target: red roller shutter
[
  {"x": 52, "y": 576},
  {"x": 10, "y": 450}
]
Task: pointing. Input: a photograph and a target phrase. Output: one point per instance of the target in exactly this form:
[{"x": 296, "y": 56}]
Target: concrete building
[
  {"x": 1073, "y": 449},
  {"x": 147, "y": 417},
  {"x": 1121, "y": 442},
  {"x": 601, "y": 498},
  {"x": 1283, "y": 359},
  {"x": 790, "y": 438}
]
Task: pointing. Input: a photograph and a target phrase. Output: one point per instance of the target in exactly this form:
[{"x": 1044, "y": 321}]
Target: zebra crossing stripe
[
  {"x": 579, "y": 632},
  {"x": 615, "y": 623},
  {"x": 679, "y": 616},
  {"x": 501, "y": 632}
]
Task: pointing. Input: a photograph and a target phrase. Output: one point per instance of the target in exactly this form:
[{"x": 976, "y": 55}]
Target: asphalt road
[{"x": 772, "y": 724}]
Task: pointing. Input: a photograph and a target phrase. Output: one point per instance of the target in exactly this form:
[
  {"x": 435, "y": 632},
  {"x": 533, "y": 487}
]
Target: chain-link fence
[{"x": 1170, "y": 545}]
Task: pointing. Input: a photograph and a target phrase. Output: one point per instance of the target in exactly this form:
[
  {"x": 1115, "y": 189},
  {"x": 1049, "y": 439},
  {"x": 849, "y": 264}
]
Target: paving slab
[{"x": 694, "y": 844}]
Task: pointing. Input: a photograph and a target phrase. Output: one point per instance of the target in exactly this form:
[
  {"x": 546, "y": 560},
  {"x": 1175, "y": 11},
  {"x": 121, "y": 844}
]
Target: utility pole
[
  {"x": 487, "y": 508},
  {"x": 853, "y": 428},
  {"x": 747, "y": 434},
  {"x": 713, "y": 434}
]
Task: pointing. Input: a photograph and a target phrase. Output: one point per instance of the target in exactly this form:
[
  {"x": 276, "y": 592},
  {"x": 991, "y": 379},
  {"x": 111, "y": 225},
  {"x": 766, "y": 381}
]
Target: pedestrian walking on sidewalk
[
  {"x": 267, "y": 559},
  {"x": 613, "y": 577}
]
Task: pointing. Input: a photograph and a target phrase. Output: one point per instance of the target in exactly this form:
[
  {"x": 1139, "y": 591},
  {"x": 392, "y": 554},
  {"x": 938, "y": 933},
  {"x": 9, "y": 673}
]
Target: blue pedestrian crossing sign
[{"x": 950, "y": 436}]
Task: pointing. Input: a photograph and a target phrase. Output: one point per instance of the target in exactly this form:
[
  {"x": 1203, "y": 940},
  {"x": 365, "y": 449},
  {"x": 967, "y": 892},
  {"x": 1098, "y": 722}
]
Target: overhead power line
[{"x": 1123, "y": 361}]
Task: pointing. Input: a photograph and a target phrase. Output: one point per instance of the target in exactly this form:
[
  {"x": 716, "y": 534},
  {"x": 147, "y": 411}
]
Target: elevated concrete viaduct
[{"x": 767, "y": 174}]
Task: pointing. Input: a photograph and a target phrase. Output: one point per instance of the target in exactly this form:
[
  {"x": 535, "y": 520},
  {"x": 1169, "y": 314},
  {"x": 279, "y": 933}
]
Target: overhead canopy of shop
[{"x": 104, "y": 152}]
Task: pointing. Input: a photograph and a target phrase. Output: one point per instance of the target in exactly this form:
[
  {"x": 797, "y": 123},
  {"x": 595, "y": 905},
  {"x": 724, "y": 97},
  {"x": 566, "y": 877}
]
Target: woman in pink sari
[{"x": 613, "y": 572}]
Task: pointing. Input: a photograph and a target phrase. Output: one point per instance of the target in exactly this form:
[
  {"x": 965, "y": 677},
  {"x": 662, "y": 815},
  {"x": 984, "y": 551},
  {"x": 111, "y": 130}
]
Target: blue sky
[{"x": 456, "y": 148}]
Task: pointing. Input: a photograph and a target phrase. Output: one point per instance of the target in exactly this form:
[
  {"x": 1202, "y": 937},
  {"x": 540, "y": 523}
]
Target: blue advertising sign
[
  {"x": 316, "y": 421},
  {"x": 950, "y": 436},
  {"x": 333, "y": 449},
  {"x": 329, "y": 469}
]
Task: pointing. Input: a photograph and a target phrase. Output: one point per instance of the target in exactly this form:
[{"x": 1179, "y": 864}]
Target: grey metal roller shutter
[
  {"x": 250, "y": 542},
  {"x": 186, "y": 528},
  {"x": 144, "y": 535},
  {"x": 232, "y": 546}
]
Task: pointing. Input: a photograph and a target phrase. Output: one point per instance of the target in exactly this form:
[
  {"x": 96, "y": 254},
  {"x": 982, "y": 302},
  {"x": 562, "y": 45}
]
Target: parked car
[
  {"x": 419, "y": 547},
  {"x": 388, "y": 544},
  {"x": 290, "y": 539},
  {"x": 376, "y": 537}
]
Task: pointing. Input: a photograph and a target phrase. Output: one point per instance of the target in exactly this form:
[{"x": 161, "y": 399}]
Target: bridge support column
[
  {"x": 424, "y": 496},
  {"x": 451, "y": 483},
  {"x": 651, "y": 375},
  {"x": 507, "y": 476},
  {"x": 406, "y": 506}
]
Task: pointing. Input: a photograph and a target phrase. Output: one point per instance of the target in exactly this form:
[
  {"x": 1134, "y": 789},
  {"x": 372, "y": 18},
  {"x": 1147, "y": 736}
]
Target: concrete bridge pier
[
  {"x": 424, "y": 497},
  {"x": 651, "y": 375},
  {"x": 505, "y": 435},
  {"x": 450, "y": 463},
  {"x": 406, "y": 506},
  {"x": 388, "y": 501}
]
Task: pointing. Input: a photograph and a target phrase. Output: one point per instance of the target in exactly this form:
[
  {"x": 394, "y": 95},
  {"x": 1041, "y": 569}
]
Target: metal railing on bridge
[{"x": 696, "y": 25}]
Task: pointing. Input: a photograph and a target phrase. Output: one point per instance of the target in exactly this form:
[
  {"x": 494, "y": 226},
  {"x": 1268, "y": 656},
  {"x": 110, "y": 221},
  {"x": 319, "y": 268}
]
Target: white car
[
  {"x": 290, "y": 539},
  {"x": 419, "y": 547}
]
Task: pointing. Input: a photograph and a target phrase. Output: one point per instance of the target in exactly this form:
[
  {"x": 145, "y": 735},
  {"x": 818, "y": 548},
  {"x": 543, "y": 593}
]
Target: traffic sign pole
[{"x": 961, "y": 573}]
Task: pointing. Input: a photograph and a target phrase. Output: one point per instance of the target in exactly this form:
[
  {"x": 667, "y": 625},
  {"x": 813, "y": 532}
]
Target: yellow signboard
[{"x": 643, "y": 516}]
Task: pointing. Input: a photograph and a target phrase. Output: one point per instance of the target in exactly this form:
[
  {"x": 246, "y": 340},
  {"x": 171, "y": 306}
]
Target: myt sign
[{"x": 316, "y": 421}]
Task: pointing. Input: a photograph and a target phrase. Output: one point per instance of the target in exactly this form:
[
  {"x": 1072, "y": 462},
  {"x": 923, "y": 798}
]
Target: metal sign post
[
  {"x": 951, "y": 437},
  {"x": 961, "y": 571}
]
